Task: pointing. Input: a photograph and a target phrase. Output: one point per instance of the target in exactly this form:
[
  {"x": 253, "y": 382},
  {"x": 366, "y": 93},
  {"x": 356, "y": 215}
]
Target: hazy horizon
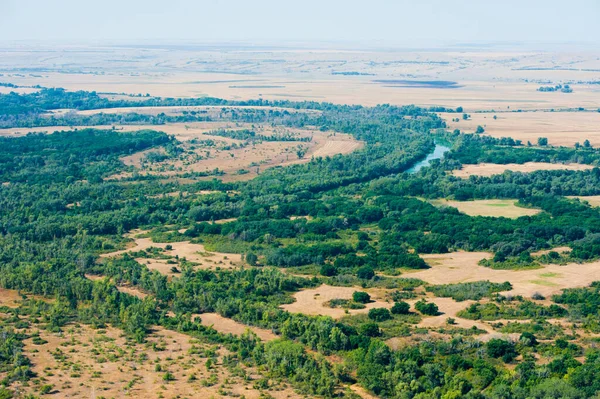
[{"x": 374, "y": 23}]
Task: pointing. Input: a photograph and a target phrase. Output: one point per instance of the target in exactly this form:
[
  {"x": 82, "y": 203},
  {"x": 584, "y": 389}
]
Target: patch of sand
[
  {"x": 490, "y": 169},
  {"x": 10, "y": 298},
  {"x": 192, "y": 252},
  {"x": 312, "y": 301},
  {"x": 461, "y": 267},
  {"x": 593, "y": 200},
  {"x": 556, "y": 249},
  {"x": 229, "y": 326},
  {"x": 495, "y": 208},
  {"x": 84, "y": 363}
]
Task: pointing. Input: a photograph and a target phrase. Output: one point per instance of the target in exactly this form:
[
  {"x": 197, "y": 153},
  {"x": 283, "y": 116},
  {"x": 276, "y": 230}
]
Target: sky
[{"x": 376, "y": 22}]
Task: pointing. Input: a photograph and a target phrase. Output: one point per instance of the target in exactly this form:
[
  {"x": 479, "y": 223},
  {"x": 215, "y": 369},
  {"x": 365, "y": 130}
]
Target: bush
[
  {"x": 427, "y": 308},
  {"x": 369, "y": 330},
  {"x": 500, "y": 348},
  {"x": 379, "y": 314},
  {"x": 361, "y": 297},
  {"x": 400, "y": 308},
  {"x": 328, "y": 270},
  {"x": 365, "y": 272}
]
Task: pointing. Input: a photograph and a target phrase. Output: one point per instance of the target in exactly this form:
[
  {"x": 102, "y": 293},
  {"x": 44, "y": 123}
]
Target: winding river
[{"x": 438, "y": 153}]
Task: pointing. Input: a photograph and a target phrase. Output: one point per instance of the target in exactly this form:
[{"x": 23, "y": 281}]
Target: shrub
[
  {"x": 427, "y": 308},
  {"x": 361, "y": 297},
  {"x": 369, "y": 330},
  {"x": 328, "y": 270},
  {"x": 379, "y": 314},
  {"x": 500, "y": 348},
  {"x": 365, "y": 272},
  {"x": 400, "y": 308}
]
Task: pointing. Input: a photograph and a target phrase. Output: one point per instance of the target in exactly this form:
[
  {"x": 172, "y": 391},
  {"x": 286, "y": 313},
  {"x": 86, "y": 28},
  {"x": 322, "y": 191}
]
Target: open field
[
  {"x": 494, "y": 208},
  {"x": 461, "y": 267},
  {"x": 593, "y": 200},
  {"x": 490, "y": 169},
  {"x": 230, "y": 326},
  {"x": 192, "y": 252},
  {"x": 83, "y": 363},
  {"x": 560, "y": 128},
  {"x": 312, "y": 301},
  {"x": 481, "y": 78}
]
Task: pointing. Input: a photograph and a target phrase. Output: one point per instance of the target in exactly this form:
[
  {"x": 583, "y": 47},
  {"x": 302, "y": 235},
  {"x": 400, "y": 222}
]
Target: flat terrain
[
  {"x": 482, "y": 77},
  {"x": 593, "y": 200},
  {"x": 312, "y": 301},
  {"x": 195, "y": 253},
  {"x": 560, "y": 128},
  {"x": 83, "y": 363},
  {"x": 229, "y": 326},
  {"x": 490, "y": 169},
  {"x": 461, "y": 267},
  {"x": 494, "y": 208}
]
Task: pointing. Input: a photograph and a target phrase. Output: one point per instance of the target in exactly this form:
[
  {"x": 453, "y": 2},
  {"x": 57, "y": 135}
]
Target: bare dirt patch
[
  {"x": 593, "y": 200},
  {"x": 229, "y": 326},
  {"x": 460, "y": 267},
  {"x": 84, "y": 363},
  {"x": 495, "y": 208},
  {"x": 9, "y": 298},
  {"x": 490, "y": 169},
  {"x": 183, "y": 250},
  {"x": 312, "y": 301}
]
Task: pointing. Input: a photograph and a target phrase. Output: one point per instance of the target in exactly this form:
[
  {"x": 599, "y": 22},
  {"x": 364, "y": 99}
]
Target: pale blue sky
[{"x": 400, "y": 22}]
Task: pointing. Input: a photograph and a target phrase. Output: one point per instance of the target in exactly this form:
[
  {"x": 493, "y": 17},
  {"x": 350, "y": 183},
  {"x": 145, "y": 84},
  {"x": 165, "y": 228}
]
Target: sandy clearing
[
  {"x": 229, "y": 326},
  {"x": 192, "y": 252},
  {"x": 448, "y": 307},
  {"x": 333, "y": 147},
  {"x": 495, "y": 208},
  {"x": 105, "y": 364},
  {"x": 560, "y": 128},
  {"x": 10, "y": 298},
  {"x": 460, "y": 267},
  {"x": 593, "y": 200},
  {"x": 490, "y": 169},
  {"x": 223, "y": 221},
  {"x": 312, "y": 301},
  {"x": 556, "y": 249}
]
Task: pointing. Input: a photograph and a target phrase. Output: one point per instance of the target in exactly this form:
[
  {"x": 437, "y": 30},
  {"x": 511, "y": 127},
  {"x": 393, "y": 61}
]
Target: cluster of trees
[{"x": 559, "y": 87}]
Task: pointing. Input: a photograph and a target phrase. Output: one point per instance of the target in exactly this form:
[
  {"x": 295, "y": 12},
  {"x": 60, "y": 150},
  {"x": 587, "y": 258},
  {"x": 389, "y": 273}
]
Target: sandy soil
[
  {"x": 192, "y": 252},
  {"x": 490, "y": 169},
  {"x": 9, "y": 298},
  {"x": 84, "y": 363},
  {"x": 560, "y": 128},
  {"x": 555, "y": 249},
  {"x": 459, "y": 267},
  {"x": 593, "y": 200},
  {"x": 228, "y": 326},
  {"x": 495, "y": 208},
  {"x": 312, "y": 301}
]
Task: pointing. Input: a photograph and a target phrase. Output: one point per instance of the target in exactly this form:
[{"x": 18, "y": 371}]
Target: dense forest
[{"x": 355, "y": 220}]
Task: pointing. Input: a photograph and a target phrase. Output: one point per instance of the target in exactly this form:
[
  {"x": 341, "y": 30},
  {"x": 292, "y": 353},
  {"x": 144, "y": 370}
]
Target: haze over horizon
[{"x": 376, "y": 23}]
